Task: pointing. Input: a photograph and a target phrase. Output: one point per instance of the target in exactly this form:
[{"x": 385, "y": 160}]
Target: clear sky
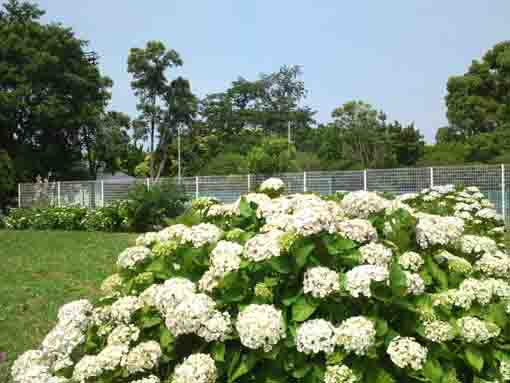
[{"x": 396, "y": 55}]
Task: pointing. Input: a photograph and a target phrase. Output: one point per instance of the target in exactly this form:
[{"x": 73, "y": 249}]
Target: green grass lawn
[{"x": 40, "y": 271}]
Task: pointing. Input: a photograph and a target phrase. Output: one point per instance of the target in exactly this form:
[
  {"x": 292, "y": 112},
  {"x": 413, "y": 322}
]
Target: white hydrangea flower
[
  {"x": 260, "y": 326},
  {"x": 321, "y": 282},
  {"x": 196, "y": 368},
  {"x": 272, "y": 184},
  {"x": 168, "y": 295},
  {"x": 361, "y": 204},
  {"x": 473, "y": 244},
  {"x": 149, "y": 379},
  {"x": 405, "y": 352},
  {"x": 504, "y": 370},
  {"x": 123, "y": 334},
  {"x": 75, "y": 313},
  {"x": 112, "y": 356},
  {"x": 375, "y": 254},
  {"x": 147, "y": 239},
  {"x": 203, "y": 234},
  {"x": 494, "y": 265},
  {"x": 30, "y": 365},
  {"x": 38, "y": 374},
  {"x": 263, "y": 246},
  {"x": 438, "y": 331},
  {"x": 216, "y": 328},
  {"x": 189, "y": 315},
  {"x": 111, "y": 285},
  {"x": 356, "y": 334},
  {"x": 60, "y": 342},
  {"x": 488, "y": 213},
  {"x": 123, "y": 309},
  {"x": 474, "y": 330},
  {"x": 175, "y": 232},
  {"x": 339, "y": 374},
  {"x": 88, "y": 367},
  {"x": 359, "y": 278},
  {"x": 359, "y": 230},
  {"x": 314, "y": 336},
  {"x": 226, "y": 257},
  {"x": 434, "y": 230},
  {"x": 133, "y": 256},
  {"x": 411, "y": 261},
  {"x": 415, "y": 284},
  {"x": 143, "y": 357},
  {"x": 209, "y": 281}
]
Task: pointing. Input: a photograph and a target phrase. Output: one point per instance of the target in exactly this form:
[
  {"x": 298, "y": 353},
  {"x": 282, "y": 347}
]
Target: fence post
[
  {"x": 431, "y": 177},
  {"x": 58, "y": 194},
  {"x": 503, "y": 196},
  {"x": 19, "y": 195},
  {"x": 196, "y": 187},
  {"x": 148, "y": 183},
  {"x": 365, "y": 186},
  {"x": 249, "y": 183},
  {"x": 102, "y": 193},
  {"x": 304, "y": 182}
]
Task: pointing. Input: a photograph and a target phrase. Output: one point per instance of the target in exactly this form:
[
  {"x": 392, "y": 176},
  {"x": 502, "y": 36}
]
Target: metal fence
[{"x": 493, "y": 181}]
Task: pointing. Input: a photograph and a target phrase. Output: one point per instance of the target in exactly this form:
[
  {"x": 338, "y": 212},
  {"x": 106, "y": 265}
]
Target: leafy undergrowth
[{"x": 39, "y": 272}]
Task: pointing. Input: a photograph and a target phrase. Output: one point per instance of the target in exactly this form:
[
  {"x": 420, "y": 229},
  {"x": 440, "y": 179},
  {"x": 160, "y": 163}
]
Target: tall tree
[
  {"x": 479, "y": 100},
  {"x": 148, "y": 66},
  {"x": 49, "y": 89}
]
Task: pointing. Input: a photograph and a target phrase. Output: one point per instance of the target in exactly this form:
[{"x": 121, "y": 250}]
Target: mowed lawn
[{"x": 39, "y": 272}]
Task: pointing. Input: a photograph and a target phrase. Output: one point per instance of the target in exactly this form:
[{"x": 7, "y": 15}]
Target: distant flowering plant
[
  {"x": 297, "y": 288},
  {"x": 273, "y": 187}
]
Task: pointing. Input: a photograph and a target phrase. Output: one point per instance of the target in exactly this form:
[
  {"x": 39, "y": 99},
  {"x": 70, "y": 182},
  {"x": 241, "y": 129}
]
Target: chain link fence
[{"x": 493, "y": 181}]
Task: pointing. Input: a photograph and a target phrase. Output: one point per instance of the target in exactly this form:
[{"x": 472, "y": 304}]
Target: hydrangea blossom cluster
[
  {"x": 316, "y": 335},
  {"x": 273, "y": 184},
  {"x": 320, "y": 282},
  {"x": 360, "y": 278},
  {"x": 302, "y": 272},
  {"x": 196, "y": 368},
  {"x": 260, "y": 327},
  {"x": 356, "y": 334},
  {"x": 406, "y": 352},
  {"x": 376, "y": 254},
  {"x": 339, "y": 374}
]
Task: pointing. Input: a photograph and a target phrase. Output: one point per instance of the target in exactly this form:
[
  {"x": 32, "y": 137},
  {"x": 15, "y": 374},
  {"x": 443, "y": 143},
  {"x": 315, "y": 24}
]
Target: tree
[
  {"x": 148, "y": 67},
  {"x": 7, "y": 175},
  {"x": 479, "y": 100},
  {"x": 407, "y": 143},
  {"x": 273, "y": 155},
  {"x": 49, "y": 89}
]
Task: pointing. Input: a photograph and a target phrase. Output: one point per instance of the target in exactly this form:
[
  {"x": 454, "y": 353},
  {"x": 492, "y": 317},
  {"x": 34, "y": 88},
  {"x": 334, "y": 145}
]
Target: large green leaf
[
  {"x": 474, "y": 357},
  {"x": 436, "y": 272},
  {"x": 301, "y": 252},
  {"x": 398, "y": 280},
  {"x": 433, "y": 371},
  {"x": 303, "y": 308},
  {"x": 247, "y": 363},
  {"x": 218, "y": 352},
  {"x": 281, "y": 264},
  {"x": 245, "y": 208},
  {"x": 336, "y": 244}
]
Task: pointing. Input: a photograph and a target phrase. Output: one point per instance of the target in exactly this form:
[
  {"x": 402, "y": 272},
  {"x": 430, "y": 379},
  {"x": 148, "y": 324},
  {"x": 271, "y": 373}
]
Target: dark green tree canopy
[{"x": 479, "y": 100}]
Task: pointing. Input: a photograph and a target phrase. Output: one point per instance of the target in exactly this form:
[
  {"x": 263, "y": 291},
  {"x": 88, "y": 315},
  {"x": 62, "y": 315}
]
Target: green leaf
[
  {"x": 247, "y": 363},
  {"x": 474, "y": 357},
  {"x": 149, "y": 321},
  {"x": 336, "y": 358},
  {"x": 398, "y": 280},
  {"x": 381, "y": 327},
  {"x": 218, "y": 352},
  {"x": 382, "y": 376},
  {"x": 245, "y": 208},
  {"x": 497, "y": 314},
  {"x": 433, "y": 371},
  {"x": 337, "y": 244},
  {"x": 436, "y": 272},
  {"x": 281, "y": 264},
  {"x": 158, "y": 265},
  {"x": 303, "y": 308},
  {"x": 301, "y": 254},
  {"x": 166, "y": 339}
]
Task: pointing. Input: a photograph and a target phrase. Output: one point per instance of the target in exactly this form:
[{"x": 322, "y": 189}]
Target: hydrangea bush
[{"x": 298, "y": 289}]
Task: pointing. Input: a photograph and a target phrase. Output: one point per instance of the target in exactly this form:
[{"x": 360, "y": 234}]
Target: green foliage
[
  {"x": 226, "y": 164},
  {"x": 477, "y": 101},
  {"x": 273, "y": 155},
  {"x": 149, "y": 207},
  {"x": 8, "y": 184}
]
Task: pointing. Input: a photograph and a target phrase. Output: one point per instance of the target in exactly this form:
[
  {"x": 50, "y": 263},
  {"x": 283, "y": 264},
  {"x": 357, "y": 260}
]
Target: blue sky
[{"x": 396, "y": 55}]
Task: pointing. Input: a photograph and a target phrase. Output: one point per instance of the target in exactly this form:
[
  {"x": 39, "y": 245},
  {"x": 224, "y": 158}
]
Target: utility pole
[{"x": 179, "y": 152}]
